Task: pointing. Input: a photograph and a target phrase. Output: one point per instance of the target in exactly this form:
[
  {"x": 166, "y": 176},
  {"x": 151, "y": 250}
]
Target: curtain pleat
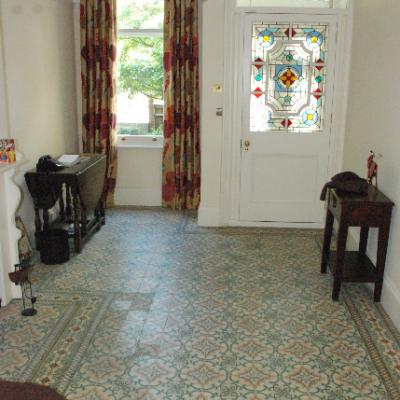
[
  {"x": 181, "y": 155},
  {"x": 98, "y": 20}
]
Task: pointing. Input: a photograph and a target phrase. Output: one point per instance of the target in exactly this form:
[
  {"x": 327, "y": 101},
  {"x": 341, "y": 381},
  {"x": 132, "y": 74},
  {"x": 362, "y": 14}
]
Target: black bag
[{"x": 348, "y": 182}]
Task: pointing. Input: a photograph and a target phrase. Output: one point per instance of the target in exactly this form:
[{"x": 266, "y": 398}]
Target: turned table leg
[
  {"x": 68, "y": 207},
  {"x": 77, "y": 220}
]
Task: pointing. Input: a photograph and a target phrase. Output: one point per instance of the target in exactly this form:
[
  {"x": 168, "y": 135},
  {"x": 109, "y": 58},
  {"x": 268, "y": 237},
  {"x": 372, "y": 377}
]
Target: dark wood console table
[
  {"x": 78, "y": 192},
  {"x": 371, "y": 211}
]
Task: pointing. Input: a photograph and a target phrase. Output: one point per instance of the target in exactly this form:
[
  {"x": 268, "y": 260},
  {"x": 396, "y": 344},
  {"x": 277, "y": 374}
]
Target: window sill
[
  {"x": 140, "y": 142},
  {"x": 139, "y": 146}
]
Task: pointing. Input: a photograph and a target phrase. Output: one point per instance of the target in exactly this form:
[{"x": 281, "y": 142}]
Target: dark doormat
[{"x": 27, "y": 391}]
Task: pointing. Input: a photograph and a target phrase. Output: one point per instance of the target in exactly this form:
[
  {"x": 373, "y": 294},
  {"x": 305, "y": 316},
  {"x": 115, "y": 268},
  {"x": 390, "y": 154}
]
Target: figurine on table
[{"x": 372, "y": 170}]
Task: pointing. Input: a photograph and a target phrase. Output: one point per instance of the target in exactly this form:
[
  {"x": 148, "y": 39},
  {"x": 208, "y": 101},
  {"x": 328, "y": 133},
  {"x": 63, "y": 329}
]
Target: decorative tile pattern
[{"x": 158, "y": 308}]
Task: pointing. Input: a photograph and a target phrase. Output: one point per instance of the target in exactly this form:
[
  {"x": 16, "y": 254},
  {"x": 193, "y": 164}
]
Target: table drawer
[{"x": 367, "y": 215}]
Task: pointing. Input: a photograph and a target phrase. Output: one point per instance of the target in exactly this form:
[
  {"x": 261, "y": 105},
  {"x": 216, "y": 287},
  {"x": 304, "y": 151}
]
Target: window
[{"x": 140, "y": 104}]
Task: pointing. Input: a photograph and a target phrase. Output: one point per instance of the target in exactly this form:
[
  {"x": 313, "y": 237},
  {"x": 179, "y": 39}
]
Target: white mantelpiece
[{"x": 10, "y": 196}]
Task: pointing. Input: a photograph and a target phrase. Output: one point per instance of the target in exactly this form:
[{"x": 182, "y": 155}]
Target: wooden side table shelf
[{"x": 371, "y": 211}]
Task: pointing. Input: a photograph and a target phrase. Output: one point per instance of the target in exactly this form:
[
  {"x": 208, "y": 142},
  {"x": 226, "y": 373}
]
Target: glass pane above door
[
  {"x": 293, "y": 3},
  {"x": 288, "y": 75}
]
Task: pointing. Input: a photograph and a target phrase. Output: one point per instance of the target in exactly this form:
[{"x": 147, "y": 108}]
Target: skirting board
[
  {"x": 391, "y": 301},
  {"x": 286, "y": 225},
  {"x": 137, "y": 197},
  {"x": 209, "y": 216}
]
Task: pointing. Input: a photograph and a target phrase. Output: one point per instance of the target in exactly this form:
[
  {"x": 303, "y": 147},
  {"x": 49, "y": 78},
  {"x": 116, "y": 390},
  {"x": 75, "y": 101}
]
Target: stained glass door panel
[{"x": 289, "y": 66}]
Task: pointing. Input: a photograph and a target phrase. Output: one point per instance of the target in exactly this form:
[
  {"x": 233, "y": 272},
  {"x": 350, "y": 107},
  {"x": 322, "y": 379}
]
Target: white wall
[
  {"x": 374, "y": 106},
  {"x": 39, "y": 67},
  {"x": 4, "y": 127},
  {"x": 212, "y": 72},
  {"x": 139, "y": 177}
]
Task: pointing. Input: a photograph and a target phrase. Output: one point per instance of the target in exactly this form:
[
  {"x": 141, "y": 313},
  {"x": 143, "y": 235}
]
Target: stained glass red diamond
[
  {"x": 290, "y": 31},
  {"x": 319, "y": 67},
  {"x": 317, "y": 94},
  {"x": 257, "y": 92},
  {"x": 286, "y": 123},
  {"x": 258, "y": 62}
]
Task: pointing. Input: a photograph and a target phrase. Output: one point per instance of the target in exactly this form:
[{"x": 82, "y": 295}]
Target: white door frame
[{"x": 232, "y": 123}]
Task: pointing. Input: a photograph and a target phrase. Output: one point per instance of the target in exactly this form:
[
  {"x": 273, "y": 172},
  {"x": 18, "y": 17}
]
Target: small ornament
[
  {"x": 372, "y": 170},
  {"x": 21, "y": 277}
]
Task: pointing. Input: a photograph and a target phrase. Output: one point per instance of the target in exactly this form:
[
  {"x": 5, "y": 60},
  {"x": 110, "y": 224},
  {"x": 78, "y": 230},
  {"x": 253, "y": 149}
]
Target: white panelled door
[{"x": 287, "y": 114}]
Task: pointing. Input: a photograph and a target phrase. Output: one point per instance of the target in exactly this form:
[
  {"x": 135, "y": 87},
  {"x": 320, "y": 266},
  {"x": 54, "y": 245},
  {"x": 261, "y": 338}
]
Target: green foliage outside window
[
  {"x": 141, "y": 57},
  {"x": 140, "y": 62},
  {"x": 140, "y": 68}
]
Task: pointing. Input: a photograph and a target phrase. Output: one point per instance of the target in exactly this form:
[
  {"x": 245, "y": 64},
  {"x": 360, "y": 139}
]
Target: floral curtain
[
  {"x": 181, "y": 156},
  {"x": 98, "y": 55}
]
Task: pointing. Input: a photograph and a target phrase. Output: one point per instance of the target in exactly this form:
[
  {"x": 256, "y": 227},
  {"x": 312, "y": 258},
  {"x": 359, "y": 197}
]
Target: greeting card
[{"x": 7, "y": 151}]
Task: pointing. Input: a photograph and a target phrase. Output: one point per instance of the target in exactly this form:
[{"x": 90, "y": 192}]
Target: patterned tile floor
[{"x": 158, "y": 308}]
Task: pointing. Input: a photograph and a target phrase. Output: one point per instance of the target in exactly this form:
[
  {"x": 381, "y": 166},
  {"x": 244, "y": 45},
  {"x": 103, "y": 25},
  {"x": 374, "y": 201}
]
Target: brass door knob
[{"x": 246, "y": 144}]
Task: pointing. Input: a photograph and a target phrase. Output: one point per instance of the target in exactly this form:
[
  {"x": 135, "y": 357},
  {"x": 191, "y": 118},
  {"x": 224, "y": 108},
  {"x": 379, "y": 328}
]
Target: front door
[{"x": 287, "y": 114}]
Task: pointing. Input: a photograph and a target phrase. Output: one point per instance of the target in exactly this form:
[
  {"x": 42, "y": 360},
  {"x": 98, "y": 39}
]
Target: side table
[
  {"x": 78, "y": 192},
  {"x": 371, "y": 211}
]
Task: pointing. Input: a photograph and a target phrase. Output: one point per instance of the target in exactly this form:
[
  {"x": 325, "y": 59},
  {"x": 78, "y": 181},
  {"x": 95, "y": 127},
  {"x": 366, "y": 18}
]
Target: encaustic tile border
[
  {"x": 390, "y": 382},
  {"x": 67, "y": 355}
]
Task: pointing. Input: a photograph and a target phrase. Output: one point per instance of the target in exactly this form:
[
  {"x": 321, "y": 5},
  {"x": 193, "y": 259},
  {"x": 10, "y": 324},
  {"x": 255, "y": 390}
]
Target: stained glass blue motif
[
  {"x": 310, "y": 117},
  {"x": 266, "y": 38},
  {"x": 289, "y": 63},
  {"x": 314, "y": 38}
]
